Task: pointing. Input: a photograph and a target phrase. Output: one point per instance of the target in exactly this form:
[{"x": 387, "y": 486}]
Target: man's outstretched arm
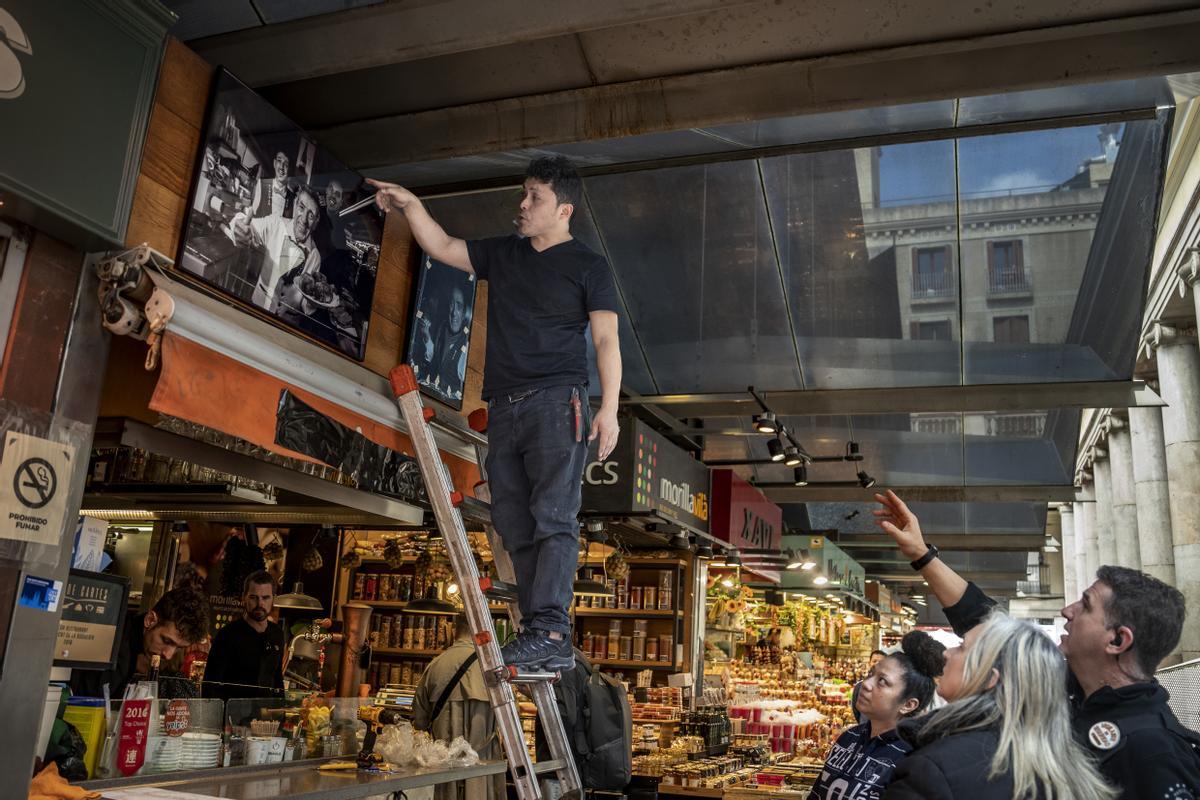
[{"x": 437, "y": 244}]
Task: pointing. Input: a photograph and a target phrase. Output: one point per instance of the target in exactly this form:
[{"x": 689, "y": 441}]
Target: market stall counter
[{"x": 299, "y": 781}]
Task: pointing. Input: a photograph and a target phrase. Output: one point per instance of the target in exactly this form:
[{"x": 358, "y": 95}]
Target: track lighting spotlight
[
  {"x": 704, "y": 549},
  {"x": 791, "y": 456},
  {"x": 766, "y": 422},
  {"x": 775, "y": 448},
  {"x": 596, "y": 531},
  {"x": 852, "y": 453},
  {"x": 865, "y": 480},
  {"x": 800, "y": 476},
  {"x": 733, "y": 558},
  {"x": 680, "y": 541}
]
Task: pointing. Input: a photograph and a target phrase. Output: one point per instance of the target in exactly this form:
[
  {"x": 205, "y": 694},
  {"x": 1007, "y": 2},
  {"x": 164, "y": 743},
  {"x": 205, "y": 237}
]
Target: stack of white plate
[
  {"x": 163, "y": 754},
  {"x": 200, "y": 750}
]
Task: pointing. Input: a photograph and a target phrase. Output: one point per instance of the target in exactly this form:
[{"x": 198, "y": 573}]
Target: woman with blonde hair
[{"x": 1005, "y": 733}]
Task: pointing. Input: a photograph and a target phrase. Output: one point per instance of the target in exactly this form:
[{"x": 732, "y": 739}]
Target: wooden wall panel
[
  {"x": 41, "y": 319},
  {"x": 170, "y": 154},
  {"x": 184, "y": 83},
  {"x": 156, "y": 217}
]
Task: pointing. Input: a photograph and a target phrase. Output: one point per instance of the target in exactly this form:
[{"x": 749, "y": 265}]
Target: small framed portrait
[{"x": 439, "y": 336}]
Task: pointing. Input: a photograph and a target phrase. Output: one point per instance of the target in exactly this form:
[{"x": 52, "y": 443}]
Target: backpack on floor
[{"x": 598, "y": 723}]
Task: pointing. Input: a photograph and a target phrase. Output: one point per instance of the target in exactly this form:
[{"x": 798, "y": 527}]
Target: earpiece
[{"x": 1116, "y": 640}]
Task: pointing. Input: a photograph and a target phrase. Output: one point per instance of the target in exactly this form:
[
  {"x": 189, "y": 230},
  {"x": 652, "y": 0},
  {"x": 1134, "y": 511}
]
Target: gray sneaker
[{"x": 534, "y": 651}]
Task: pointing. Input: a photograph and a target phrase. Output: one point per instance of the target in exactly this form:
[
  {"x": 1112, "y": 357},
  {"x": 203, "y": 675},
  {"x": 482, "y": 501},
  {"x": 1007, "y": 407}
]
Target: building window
[
  {"x": 931, "y": 274},
  {"x": 1011, "y": 330},
  {"x": 1006, "y": 267},
  {"x": 934, "y": 330}
]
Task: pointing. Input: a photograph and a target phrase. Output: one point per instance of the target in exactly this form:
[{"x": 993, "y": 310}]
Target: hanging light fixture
[
  {"x": 776, "y": 450},
  {"x": 791, "y": 456},
  {"x": 766, "y": 422},
  {"x": 297, "y": 600},
  {"x": 865, "y": 480},
  {"x": 703, "y": 549},
  {"x": 680, "y": 541},
  {"x": 800, "y": 476},
  {"x": 852, "y": 453},
  {"x": 596, "y": 531},
  {"x": 733, "y": 558},
  {"x": 590, "y": 587}
]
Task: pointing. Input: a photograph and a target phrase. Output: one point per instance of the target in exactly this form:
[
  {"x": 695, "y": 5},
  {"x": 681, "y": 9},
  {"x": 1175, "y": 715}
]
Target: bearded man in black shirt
[
  {"x": 545, "y": 288},
  {"x": 246, "y": 659}
]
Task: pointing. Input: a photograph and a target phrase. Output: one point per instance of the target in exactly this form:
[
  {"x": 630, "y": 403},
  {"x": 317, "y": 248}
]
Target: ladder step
[
  {"x": 475, "y": 510},
  {"x": 534, "y": 678},
  {"x": 542, "y": 767},
  {"x": 499, "y": 590}
]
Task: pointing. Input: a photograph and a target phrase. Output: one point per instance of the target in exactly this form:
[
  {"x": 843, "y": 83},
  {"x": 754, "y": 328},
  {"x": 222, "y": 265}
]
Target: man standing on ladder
[{"x": 544, "y": 288}]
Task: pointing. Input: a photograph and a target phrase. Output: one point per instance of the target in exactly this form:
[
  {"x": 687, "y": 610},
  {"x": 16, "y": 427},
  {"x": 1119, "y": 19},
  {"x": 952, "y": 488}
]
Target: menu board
[{"x": 93, "y": 616}]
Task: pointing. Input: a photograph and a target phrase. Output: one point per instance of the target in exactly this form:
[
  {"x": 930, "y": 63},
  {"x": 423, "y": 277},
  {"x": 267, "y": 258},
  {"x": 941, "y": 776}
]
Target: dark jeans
[{"x": 535, "y": 471}]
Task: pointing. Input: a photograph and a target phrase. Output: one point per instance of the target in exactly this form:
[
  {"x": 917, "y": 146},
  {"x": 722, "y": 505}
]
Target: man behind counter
[
  {"x": 248, "y": 652},
  {"x": 178, "y": 620}
]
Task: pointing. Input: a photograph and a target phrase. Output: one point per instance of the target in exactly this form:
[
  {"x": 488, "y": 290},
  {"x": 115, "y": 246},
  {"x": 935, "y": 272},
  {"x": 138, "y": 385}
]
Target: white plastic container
[{"x": 49, "y": 712}]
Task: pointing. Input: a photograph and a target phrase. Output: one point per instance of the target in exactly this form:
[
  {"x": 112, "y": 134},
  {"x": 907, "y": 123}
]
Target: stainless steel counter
[{"x": 299, "y": 781}]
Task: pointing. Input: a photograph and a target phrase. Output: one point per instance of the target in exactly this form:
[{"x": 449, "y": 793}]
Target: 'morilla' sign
[{"x": 647, "y": 475}]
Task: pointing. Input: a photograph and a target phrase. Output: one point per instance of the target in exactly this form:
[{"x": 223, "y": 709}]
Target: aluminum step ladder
[{"x": 448, "y": 506}]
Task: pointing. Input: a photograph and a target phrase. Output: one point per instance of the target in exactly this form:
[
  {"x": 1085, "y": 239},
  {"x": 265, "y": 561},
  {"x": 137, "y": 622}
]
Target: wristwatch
[{"x": 924, "y": 560}]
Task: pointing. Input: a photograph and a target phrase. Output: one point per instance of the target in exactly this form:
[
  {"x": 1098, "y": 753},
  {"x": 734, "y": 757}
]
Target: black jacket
[
  {"x": 1154, "y": 756},
  {"x": 950, "y": 768}
]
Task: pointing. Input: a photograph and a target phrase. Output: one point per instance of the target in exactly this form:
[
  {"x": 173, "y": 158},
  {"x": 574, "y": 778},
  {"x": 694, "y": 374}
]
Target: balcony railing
[
  {"x": 1009, "y": 281},
  {"x": 930, "y": 285},
  {"x": 1029, "y": 425}
]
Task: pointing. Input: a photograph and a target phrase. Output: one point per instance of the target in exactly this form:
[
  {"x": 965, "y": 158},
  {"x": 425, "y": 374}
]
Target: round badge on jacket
[{"x": 1104, "y": 735}]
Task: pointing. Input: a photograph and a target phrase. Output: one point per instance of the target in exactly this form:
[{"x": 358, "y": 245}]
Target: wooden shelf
[
  {"x": 383, "y": 603},
  {"x": 612, "y": 662},
  {"x": 400, "y": 651},
  {"x": 679, "y": 791},
  {"x": 637, "y": 721},
  {"x": 625, "y": 612}
]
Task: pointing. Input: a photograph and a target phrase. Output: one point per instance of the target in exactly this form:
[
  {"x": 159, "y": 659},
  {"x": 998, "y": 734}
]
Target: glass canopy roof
[{"x": 970, "y": 257}]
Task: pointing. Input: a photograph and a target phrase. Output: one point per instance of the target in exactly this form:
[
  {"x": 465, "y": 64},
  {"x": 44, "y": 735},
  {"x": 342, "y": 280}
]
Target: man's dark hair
[
  {"x": 188, "y": 609},
  {"x": 561, "y": 176},
  {"x": 1150, "y": 608},
  {"x": 462, "y": 625},
  {"x": 258, "y": 578},
  {"x": 879, "y": 653}
]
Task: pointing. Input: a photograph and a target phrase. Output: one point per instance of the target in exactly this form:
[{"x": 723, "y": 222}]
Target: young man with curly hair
[{"x": 178, "y": 620}]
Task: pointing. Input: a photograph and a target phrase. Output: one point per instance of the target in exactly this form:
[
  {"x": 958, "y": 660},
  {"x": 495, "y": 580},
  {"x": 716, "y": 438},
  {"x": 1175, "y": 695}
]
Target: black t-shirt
[
  {"x": 538, "y": 306},
  {"x": 242, "y": 655}
]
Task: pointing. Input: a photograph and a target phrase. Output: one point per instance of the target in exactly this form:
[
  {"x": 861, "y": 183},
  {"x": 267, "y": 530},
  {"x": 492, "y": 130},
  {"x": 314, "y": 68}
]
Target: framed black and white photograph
[
  {"x": 439, "y": 336},
  {"x": 264, "y": 225}
]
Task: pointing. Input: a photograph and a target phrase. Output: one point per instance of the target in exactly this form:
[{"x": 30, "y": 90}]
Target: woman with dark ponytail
[{"x": 861, "y": 762}]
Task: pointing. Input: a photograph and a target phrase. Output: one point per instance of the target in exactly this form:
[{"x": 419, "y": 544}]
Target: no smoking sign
[{"x": 32, "y": 491}]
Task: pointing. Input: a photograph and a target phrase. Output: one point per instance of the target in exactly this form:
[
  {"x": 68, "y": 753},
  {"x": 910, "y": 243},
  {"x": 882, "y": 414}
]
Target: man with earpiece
[{"x": 1117, "y": 634}]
